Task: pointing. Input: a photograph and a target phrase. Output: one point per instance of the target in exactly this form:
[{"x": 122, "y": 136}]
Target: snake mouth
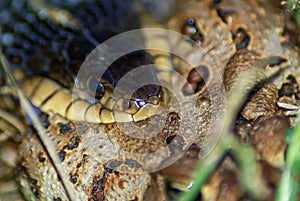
[
  {"x": 138, "y": 101},
  {"x": 133, "y": 105}
]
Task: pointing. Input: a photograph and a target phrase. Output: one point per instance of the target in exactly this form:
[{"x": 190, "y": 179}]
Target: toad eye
[{"x": 94, "y": 89}]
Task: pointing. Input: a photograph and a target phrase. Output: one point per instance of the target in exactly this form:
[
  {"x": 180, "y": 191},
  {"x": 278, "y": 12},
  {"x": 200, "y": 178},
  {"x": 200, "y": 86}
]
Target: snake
[
  {"x": 46, "y": 94},
  {"x": 221, "y": 29},
  {"x": 50, "y": 96}
]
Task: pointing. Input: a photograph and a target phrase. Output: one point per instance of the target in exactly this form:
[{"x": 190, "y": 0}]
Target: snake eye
[
  {"x": 94, "y": 88},
  {"x": 139, "y": 103}
]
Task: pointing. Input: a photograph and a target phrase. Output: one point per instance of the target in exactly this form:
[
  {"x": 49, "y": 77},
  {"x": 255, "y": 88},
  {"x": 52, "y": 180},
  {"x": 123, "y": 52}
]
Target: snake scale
[{"x": 50, "y": 50}]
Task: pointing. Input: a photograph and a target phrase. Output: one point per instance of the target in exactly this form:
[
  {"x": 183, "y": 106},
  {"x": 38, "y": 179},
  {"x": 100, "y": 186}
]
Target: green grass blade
[
  {"x": 40, "y": 129},
  {"x": 287, "y": 189}
]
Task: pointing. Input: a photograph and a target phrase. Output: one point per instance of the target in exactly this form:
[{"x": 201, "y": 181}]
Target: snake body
[
  {"x": 34, "y": 42},
  {"x": 49, "y": 95}
]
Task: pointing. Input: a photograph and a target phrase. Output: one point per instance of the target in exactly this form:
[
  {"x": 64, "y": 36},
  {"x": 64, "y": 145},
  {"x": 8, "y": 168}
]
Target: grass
[
  {"x": 39, "y": 128},
  {"x": 294, "y": 5},
  {"x": 245, "y": 158},
  {"x": 244, "y": 155},
  {"x": 289, "y": 182},
  {"x": 288, "y": 186}
]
